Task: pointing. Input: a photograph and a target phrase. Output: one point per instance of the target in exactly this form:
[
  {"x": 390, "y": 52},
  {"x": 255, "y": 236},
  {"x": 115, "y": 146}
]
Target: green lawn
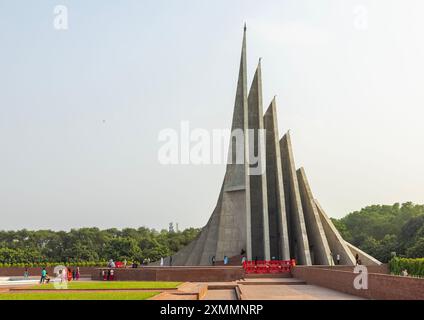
[
  {"x": 79, "y": 296},
  {"x": 113, "y": 285}
]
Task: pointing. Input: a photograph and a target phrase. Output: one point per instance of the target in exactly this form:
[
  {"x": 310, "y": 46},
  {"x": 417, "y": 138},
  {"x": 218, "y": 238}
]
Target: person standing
[
  {"x": 26, "y": 274},
  {"x": 111, "y": 275},
  {"x": 111, "y": 264},
  {"x": 78, "y": 275},
  {"x": 338, "y": 259},
  {"x": 74, "y": 274},
  {"x": 161, "y": 262},
  {"x": 43, "y": 275},
  {"x": 213, "y": 260},
  {"x": 225, "y": 260},
  {"x": 357, "y": 259},
  {"x": 69, "y": 274}
]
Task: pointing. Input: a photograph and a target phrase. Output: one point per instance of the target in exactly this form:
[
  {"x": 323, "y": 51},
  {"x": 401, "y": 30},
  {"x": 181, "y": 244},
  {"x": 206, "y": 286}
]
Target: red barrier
[{"x": 263, "y": 267}]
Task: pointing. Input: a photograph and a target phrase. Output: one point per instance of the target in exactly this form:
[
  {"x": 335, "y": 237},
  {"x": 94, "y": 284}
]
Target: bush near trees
[
  {"x": 414, "y": 267},
  {"x": 89, "y": 246},
  {"x": 382, "y": 230}
]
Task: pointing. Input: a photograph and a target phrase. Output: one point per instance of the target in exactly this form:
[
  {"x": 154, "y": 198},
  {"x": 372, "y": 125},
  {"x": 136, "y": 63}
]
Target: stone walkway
[
  {"x": 271, "y": 289},
  {"x": 225, "y": 294},
  {"x": 292, "y": 292}
]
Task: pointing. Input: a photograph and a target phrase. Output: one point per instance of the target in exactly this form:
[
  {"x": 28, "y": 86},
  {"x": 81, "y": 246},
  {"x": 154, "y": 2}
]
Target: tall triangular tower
[{"x": 266, "y": 209}]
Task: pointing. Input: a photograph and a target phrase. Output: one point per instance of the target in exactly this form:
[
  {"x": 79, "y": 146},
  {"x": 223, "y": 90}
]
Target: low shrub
[{"x": 414, "y": 267}]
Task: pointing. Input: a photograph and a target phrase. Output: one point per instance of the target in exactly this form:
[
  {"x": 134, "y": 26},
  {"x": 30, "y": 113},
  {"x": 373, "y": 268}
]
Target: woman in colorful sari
[{"x": 69, "y": 274}]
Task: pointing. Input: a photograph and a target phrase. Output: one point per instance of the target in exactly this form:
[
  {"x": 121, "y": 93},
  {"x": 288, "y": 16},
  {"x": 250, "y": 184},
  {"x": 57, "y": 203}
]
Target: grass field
[
  {"x": 92, "y": 285},
  {"x": 79, "y": 296}
]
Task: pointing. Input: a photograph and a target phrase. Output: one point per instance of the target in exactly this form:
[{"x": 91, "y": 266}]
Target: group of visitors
[
  {"x": 226, "y": 260},
  {"x": 66, "y": 274},
  {"x": 108, "y": 275},
  {"x": 124, "y": 264},
  {"x": 358, "y": 261},
  {"x": 333, "y": 259}
]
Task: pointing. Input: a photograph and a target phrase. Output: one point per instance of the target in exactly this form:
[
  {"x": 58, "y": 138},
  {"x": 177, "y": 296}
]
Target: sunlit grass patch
[
  {"x": 61, "y": 295},
  {"x": 118, "y": 285}
]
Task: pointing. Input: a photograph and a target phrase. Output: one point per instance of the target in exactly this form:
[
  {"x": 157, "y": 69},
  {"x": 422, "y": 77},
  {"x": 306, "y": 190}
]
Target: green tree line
[
  {"x": 382, "y": 230},
  {"x": 90, "y": 244},
  {"x": 379, "y": 230}
]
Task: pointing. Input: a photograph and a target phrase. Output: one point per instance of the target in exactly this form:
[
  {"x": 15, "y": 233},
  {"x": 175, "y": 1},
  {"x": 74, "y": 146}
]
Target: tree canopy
[
  {"x": 381, "y": 230},
  {"x": 90, "y": 244}
]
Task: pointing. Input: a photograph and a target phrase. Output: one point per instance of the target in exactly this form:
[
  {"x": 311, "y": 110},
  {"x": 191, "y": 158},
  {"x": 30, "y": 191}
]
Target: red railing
[{"x": 274, "y": 266}]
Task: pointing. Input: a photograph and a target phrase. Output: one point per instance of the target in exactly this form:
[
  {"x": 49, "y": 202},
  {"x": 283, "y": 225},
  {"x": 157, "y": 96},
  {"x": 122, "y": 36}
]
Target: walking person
[
  {"x": 43, "y": 276},
  {"x": 78, "y": 275},
  {"x": 111, "y": 275},
  {"x": 225, "y": 260},
  {"x": 26, "y": 274}
]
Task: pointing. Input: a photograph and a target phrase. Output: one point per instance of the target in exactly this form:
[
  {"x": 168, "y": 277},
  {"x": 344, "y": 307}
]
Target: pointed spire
[{"x": 240, "y": 108}]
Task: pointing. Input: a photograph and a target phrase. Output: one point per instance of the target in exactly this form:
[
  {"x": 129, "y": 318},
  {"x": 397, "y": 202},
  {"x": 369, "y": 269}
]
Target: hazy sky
[{"x": 81, "y": 110}]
